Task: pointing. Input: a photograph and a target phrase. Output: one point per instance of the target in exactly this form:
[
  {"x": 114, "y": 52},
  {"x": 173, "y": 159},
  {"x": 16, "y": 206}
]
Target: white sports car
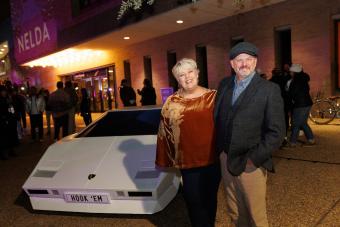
[{"x": 106, "y": 168}]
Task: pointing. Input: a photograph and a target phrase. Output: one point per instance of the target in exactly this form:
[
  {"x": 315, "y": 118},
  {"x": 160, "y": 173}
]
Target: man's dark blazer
[{"x": 253, "y": 127}]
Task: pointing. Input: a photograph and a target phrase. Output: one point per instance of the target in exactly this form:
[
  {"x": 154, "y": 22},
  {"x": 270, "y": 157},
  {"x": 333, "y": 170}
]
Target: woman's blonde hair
[{"x": 183, "y": 64}]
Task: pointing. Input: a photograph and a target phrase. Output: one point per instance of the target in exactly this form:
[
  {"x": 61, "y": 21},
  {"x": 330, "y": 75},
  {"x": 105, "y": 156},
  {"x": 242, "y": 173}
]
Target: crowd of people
[{"x": 61, "y": 105}]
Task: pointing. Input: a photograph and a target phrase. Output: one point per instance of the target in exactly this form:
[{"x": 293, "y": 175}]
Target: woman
[
  {"x": 35, "y": 107},
  {"x": 186, "y": 141},
  {"x": 302, "y": 103},
  {"x": 148, "y": 93},
  {"x": 85, "y": 107}
]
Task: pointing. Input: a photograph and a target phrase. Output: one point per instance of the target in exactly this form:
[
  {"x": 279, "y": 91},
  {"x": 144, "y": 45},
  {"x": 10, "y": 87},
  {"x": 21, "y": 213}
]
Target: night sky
[{"x": 4, "y": 9}]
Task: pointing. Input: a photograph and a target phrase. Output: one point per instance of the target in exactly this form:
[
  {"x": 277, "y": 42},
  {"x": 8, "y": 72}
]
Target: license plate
[{"x": 86, "y": 198}]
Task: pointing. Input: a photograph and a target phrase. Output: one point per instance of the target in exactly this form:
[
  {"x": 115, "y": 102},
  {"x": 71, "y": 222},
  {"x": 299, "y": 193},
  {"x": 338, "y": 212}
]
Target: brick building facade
[{"x": 313, "y": 38}]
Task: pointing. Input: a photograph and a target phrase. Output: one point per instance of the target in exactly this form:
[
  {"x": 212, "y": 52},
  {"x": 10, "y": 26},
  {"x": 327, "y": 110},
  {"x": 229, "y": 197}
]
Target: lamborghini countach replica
[{"x": 108, "y": 167}]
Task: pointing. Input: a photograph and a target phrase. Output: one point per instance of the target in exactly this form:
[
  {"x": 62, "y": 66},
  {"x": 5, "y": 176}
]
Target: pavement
[{"x": 304, "y": 191}]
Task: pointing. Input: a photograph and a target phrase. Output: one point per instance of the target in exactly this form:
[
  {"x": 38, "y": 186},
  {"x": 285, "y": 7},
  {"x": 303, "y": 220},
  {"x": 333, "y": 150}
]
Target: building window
[
  {"x": 172, "y": 59},
  {"x": 283, "y": 46},
  {"x": 201, "y": 59},
  {"x": 147, "y": 68},
  {"x": 127, "y": 71}
]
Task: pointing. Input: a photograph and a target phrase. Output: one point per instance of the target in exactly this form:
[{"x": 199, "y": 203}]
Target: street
[{"x": 304, "y": 191}]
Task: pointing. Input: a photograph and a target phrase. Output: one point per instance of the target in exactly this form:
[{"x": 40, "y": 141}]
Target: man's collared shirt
[{"x": 240, "y": 86}]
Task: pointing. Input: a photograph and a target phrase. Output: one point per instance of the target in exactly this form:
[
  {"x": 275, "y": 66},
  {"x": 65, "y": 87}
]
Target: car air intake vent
[
  {"x": 140, "y": 194},
  {"x": 147, "y": 174},
  {"x": 37, "y": 192},
  {"x": 44, "y": 173}
]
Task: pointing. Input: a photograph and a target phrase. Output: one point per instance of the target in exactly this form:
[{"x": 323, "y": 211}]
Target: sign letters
[{"x": 33, "y": 38}]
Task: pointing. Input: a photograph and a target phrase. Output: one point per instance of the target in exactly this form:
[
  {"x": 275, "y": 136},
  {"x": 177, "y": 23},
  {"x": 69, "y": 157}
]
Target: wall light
[
  {"x": 179, "y": 21},
  {"x": 126, "y": 37}
]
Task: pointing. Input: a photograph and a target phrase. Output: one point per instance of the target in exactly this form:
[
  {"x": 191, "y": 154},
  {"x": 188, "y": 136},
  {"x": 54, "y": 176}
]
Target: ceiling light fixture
[
  {"x": 179, "y": 22},
  {"x": 127, "y": 37},
  {"x": 66, "y": 58}
]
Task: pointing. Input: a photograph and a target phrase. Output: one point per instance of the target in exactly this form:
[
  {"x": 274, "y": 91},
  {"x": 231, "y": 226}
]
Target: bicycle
[{"x": 325, "y": 110}]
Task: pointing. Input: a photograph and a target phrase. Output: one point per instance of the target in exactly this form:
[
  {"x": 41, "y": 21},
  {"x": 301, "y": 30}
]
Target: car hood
[{"x": 120, "y": 162}]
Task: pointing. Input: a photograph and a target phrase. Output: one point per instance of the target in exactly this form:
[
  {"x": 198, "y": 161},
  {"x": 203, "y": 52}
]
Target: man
[
  {"x": 60, "y": 104},
  {"x": 72, "y": 111},
  {"x": 127, "y": 94},
  {"x": 250, "y": 126}
]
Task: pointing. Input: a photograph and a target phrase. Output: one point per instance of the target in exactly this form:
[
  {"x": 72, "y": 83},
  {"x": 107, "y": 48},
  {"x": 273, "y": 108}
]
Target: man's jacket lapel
[{"x": 246, "y": 95}]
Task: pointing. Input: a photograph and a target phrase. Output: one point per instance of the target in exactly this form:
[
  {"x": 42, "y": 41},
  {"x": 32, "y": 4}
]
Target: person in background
[
  {"x": 301, "y": 105},
  {"x": 85, "y": 107},
  {"x": 186, "y": 141},
  {"x": 148, "y": 93},
  {"x": 69, "y": 89},
  {"x": 8, "y": 125},
  {"x": 19, "y": 102},
  {"x": 127, "y": 94},
  {"x": 60, "y": 104},
  {"x": 35, "y": 107},
  {"x": 48, "y": 113},
  {"x": 281, "y": 79},
  {"x": 249, "y": 125}
]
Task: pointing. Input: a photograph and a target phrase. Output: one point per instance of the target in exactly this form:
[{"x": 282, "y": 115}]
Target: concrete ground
[{"x": 304, "y": 191}]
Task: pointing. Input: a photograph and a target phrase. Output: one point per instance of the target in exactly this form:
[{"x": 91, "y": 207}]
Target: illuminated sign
[
  {"x": 37, "y": 38},
  {"x": 33, "y": 38}
]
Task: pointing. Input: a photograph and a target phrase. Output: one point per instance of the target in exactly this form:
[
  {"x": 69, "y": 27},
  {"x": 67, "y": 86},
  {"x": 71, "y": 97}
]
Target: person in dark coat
[
  {"x": 8, "y": 125},
  {"x": 85, "y": 107},
  {"x": 281, "y": 78},
  {"x": 48, "y": 113},
  {"x": 60, "y": 104},
  {"x": 70, "y": 90},
  {"x": 127, "y": 94},
  {"x": 301, "y": 105},
  {"x": 148, "y": 93},
  {"x": 19, "y": 103}
]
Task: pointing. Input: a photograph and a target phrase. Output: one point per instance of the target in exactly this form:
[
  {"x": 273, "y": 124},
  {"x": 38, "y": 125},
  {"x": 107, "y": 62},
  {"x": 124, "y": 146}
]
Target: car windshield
[{"x": 125, "y": 123}]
